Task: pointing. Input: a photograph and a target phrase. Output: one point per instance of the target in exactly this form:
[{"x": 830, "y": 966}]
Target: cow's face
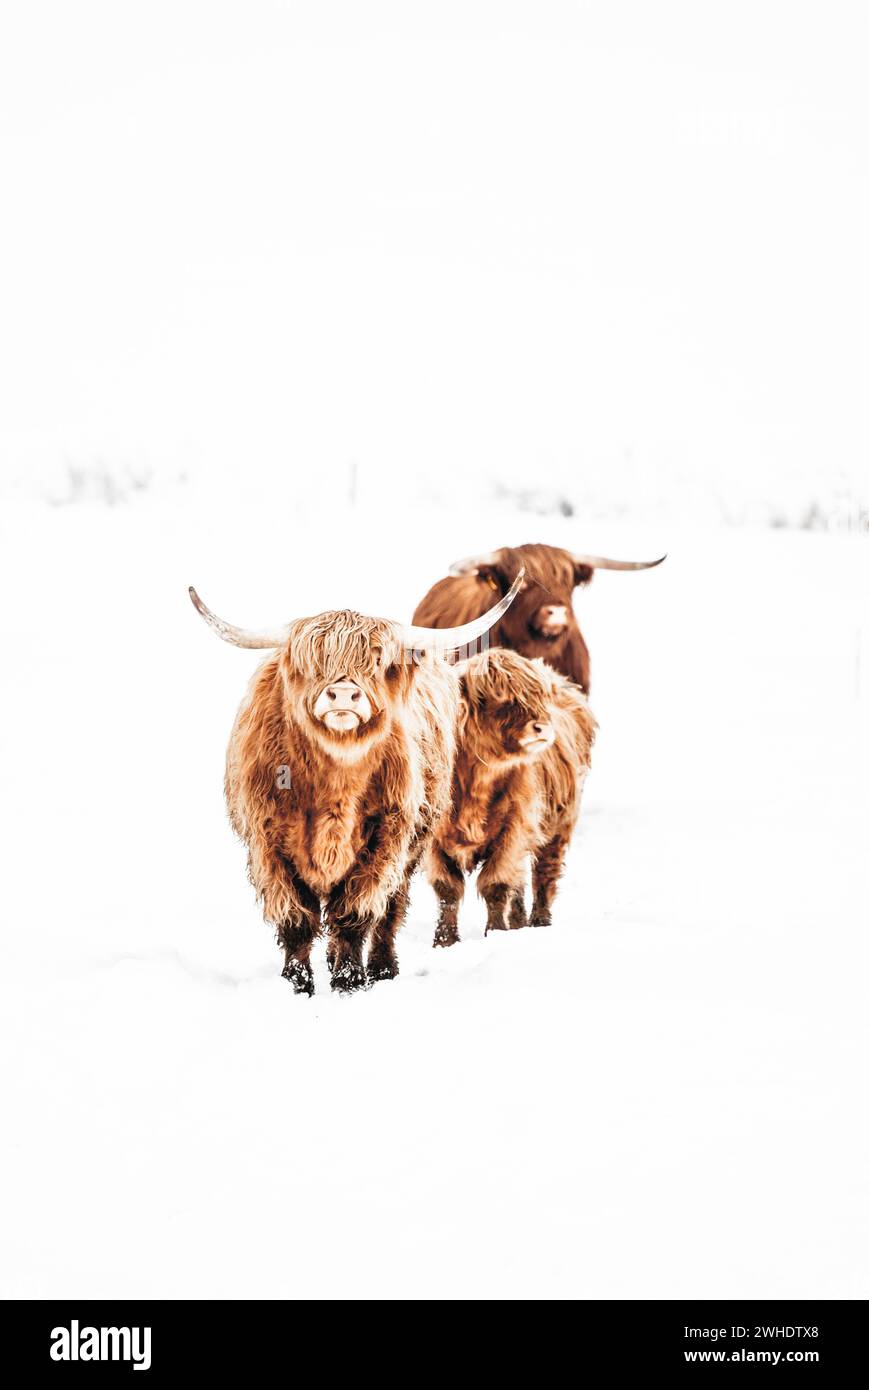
[
  {"x": 509, "y": 706},
  {"x": 344, "y": 675},
  {"x": 543, "y": 610}
]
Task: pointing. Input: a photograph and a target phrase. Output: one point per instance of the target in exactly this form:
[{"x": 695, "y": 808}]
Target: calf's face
[
  {"x": 515, "y": 728},
  {"x": 509, "y": 704}
]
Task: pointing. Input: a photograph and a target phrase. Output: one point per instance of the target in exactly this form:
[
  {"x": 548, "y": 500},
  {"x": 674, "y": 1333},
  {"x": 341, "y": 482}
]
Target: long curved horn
[
  {"x": 600, "y": 562},
  {"x": 447, "y": 639},
  {"x": 237, "y": 636},
  {"x": 474, "y": 562}
]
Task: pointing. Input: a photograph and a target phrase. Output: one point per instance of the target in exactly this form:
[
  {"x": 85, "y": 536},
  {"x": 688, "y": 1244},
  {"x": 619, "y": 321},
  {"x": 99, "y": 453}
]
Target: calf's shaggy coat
[{"x": 524, "y": 745}]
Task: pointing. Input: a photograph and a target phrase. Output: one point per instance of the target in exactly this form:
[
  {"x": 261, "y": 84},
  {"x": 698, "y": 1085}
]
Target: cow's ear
[
  {"x": 582, "y": 574},
  {"x": 495, "y": 577}
]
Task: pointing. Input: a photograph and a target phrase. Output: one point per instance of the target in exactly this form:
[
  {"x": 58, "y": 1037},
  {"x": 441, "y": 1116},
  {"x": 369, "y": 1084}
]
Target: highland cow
[
  {"x": 524, "y": 745},
  {"x": 541, "y": 622},
  {"x": 339, "y": 764}
]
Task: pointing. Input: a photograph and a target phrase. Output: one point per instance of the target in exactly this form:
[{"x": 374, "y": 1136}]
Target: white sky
[{"x": 491, "y": 238}]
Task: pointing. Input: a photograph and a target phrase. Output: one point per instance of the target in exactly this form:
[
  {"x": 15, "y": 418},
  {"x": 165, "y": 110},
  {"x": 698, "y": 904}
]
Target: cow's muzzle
[
  {"x": 550, "y": 620},
  {"x": 343, "y": 706}
]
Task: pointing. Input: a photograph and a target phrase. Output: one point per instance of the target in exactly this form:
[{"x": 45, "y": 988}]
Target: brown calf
[{"x": 525, "y": 737}]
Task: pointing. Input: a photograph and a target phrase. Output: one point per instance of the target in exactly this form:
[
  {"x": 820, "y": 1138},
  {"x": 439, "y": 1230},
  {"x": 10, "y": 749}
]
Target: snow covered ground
[
  {"x": 662, "y": 1096},
  {"x": 299, "y": 303}
]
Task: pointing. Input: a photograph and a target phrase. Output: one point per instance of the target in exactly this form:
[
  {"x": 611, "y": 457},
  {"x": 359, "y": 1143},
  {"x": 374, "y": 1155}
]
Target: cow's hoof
[
  {"x": 500, "y": 925},
  {"x": 445, "y": 936},
  {"x": 348, "y": 977},
  {"x": 541, "y": 919},
  {"x": 300, "y": 976},
  {"x": 518, "y": 917},
  {"x": 382, "y": 968}
]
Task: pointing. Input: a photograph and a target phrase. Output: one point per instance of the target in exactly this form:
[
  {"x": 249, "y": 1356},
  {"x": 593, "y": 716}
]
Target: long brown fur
[
  {"x": 551, "y": 575},
  {"x": 337, "y": 833},
  {"x": 509, "y": 806}
]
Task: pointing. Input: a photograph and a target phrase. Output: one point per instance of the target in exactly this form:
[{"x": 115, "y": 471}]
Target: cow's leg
[
  {"x": 501, "y": 882},
  {"x": 517, "y": 916},
  {"x": 295, "y": 912},
  {"x": 297, "y": 940},
  {"x": 496, "y": 896},
  {"x": 450, "y": 894},
  {"x": 344, "y": 954},
  {"x": 382, "y": 960},
  {"x": 545, "y": 874},
  {"x": 448, "y": 882}
]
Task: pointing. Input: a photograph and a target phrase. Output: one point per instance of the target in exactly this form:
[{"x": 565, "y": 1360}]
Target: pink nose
[
  {"x": 343, "y": 695},
  {"x": 552, "y": 615}
]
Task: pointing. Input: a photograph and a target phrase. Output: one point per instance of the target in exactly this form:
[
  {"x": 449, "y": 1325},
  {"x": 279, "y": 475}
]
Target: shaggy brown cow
[
  {"x": 541, "y": 622},
  {"x": 339, "y": 763},
  {"x": 525, "y": 737}
]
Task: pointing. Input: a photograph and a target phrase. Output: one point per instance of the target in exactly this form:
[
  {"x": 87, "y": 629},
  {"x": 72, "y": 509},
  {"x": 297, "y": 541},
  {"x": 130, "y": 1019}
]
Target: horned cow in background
[
  {"x": 339, "y": 763},
  {"x": 541, "y": 623},
  {"x": 524, "y": 748}
]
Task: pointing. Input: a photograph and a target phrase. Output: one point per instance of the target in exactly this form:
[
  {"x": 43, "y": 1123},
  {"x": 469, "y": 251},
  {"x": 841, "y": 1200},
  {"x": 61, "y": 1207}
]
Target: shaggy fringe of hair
[
  {"x": 338, "y": 643},
  {"x": 553, "y": 569}
]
